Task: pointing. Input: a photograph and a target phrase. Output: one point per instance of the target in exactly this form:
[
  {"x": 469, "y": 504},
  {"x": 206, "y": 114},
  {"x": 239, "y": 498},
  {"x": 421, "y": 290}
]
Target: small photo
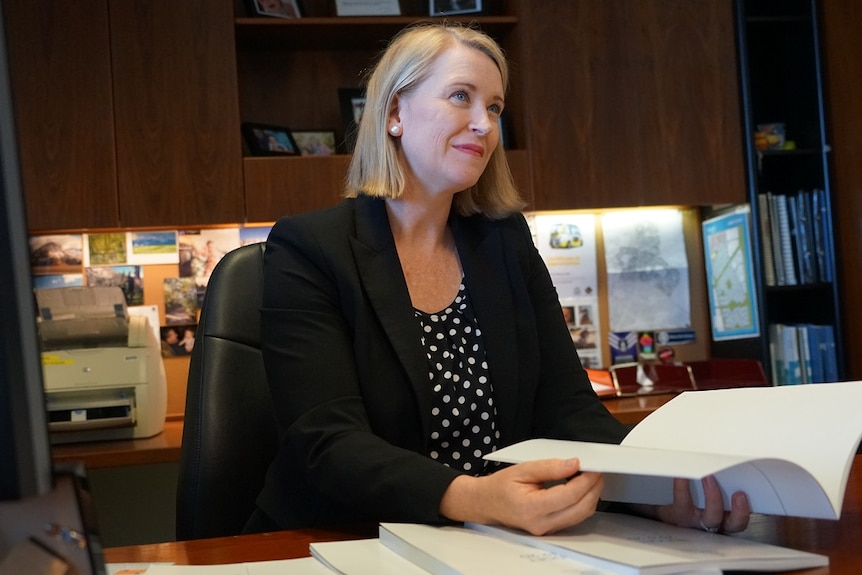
[
  {"x": 276, "y": 8},
  {"x": 130, "y": 279},
  {"x": 181, "y": 301},
  {"x": 569, "y": 315},
  {"x": 315, "y": 143},
  {"x": 449, "y": 7},
  {"x": 57, "y": 254},
  {"x": 105, "y": 249},
  {"x": 178, "y": 340},
  {"x": 266, "y": 140}
]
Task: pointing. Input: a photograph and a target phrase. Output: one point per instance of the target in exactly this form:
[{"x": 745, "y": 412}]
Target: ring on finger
[{"x": 709, "y": 529}]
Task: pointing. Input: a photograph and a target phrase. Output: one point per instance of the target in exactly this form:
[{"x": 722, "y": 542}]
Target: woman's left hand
[{"x": 712, "y": 517}]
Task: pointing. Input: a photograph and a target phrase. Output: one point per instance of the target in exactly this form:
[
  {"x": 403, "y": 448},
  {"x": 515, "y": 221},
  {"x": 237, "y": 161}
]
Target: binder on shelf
[
  {"x": 807, "y": 263},
  {"x": 766, "y": 239},
  {"x": 785, "y": 240},
  {"x": 776, "y": 239}
]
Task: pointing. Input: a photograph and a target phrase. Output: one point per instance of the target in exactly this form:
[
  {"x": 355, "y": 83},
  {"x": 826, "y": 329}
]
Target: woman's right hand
[{"x": 538, "y": 496}]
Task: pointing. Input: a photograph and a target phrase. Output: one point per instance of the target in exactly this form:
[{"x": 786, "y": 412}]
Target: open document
[{"x": 789, "y": 449}]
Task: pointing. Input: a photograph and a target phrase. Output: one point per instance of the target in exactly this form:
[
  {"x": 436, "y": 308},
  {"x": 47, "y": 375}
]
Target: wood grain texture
[
  {"x": 60, "y": 71},
  {"x": 175, "y": 95}
]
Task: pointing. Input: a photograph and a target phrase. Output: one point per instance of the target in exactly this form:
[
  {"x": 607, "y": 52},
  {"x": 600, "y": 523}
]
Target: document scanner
[{"x": 102, "y": 367}]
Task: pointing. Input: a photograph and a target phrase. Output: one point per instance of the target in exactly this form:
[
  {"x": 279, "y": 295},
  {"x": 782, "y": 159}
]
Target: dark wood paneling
[
  {"x": 842, "y": 46},
  {"x": 179, "y": 149},
  {"x": 280, "y": 186},
  {"x": 60, "y": 70},
  {"x": 581, "y": 120},
  {"x": 689, "y": 129},
  {"x": 632, "y": 102}
]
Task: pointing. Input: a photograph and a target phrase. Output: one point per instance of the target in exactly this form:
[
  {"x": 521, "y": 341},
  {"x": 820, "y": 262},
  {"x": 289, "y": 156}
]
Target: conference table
[{"x": 840, "y": 540}]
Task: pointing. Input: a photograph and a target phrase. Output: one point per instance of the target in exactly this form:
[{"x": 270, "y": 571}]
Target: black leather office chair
[{"x": 230, "y": 433}]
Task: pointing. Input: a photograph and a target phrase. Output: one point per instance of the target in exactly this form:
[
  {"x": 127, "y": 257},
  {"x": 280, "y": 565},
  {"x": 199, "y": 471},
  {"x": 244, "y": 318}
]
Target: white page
[
  {"x": 816, "y": 426},
  {"x": 362, "y": 557},
  {"x": 451, "y": 549},
  {"x": 301, "y": 566},
  {"x": 792, "y": 448},
  {"x": 631, "y": 544}
]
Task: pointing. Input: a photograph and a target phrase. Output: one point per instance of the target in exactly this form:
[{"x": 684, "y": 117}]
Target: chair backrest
[
  {"x": 720, "y": 373},
  {"x": 629, "y": 378},
  {"x": 230, "y": 433}
]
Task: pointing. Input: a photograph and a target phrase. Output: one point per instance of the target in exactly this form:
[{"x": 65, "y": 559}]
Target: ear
[{"x": 395, "y": 109}]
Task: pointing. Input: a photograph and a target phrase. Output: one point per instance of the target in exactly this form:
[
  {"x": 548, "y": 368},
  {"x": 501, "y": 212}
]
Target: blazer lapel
[
  {"x": 486, "y": 276},
  {"x": 383, "y": 281}
]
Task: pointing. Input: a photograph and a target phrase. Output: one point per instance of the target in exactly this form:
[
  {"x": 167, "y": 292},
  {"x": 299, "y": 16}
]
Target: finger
[
  {"x": 713, "y": 510},
  {"x": 572, "y": 503},
  {"x": 544, "y": 470},
  {"x": 740, "y": 513}
]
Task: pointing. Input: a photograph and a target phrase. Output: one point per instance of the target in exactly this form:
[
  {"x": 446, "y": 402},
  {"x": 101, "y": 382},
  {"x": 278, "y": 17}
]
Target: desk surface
[
  {"x": 840, "y": 540},
  {"x": 165, "y": 447}
]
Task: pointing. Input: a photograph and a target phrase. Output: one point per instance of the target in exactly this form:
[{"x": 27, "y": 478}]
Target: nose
[{"x": 482, "y": 123}]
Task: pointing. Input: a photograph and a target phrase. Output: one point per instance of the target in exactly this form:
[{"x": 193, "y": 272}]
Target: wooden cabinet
[
  {"x": 178, "y": 138},
  {"x": 126, "y": 112},
  {"x": 631, "y": 102},
  {"x": 60, "y": 71}
]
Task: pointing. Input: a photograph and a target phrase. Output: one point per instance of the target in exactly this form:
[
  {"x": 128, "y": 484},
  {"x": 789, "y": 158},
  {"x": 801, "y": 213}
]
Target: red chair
[
  {"x": 722, "y": 373},
  {"x": 633, "y": 379}
]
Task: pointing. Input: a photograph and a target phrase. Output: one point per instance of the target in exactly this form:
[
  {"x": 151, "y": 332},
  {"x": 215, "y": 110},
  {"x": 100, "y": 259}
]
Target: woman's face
[{"x": 449, "y": 122}]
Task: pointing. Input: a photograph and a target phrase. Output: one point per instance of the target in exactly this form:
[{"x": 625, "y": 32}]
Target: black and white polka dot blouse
[{"x": 463, "y": 417}]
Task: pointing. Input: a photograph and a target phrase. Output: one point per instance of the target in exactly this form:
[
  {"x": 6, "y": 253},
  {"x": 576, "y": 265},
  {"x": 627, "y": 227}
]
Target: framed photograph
[
  {"x": 367, "y": 8},
  {"x": 315, "y": 142},
  {"x": 352, "y": 102},
  {"x": 266, "y": 140},
  {"x": 451, "y": 7},
  {"x": 277, "y": 8}
]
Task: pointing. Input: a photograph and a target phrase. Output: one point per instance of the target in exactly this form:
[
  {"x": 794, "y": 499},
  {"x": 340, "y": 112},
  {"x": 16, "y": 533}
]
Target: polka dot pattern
[{"x": 463, "y": 417}]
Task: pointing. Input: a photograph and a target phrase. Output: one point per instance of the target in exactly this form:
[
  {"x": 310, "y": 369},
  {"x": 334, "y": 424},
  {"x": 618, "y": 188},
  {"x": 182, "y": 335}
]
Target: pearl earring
[{"x": 395, "y": 130}]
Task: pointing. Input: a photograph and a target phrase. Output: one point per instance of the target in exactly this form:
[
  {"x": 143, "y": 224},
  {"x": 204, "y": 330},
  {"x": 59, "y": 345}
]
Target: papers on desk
[
  {"x": 303, "y": 566},
  {"x": 789, "y": 448}
]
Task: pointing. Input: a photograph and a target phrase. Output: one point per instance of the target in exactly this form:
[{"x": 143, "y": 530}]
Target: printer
[{"x": 102, "y": 367}]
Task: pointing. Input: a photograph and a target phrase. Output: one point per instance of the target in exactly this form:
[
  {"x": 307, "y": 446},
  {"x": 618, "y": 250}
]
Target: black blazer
[{"x": 349, "y": 376}]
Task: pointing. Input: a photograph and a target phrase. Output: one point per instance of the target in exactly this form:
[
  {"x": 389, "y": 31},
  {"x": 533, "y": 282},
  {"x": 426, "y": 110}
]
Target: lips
[{"x": 473, "y": 149}]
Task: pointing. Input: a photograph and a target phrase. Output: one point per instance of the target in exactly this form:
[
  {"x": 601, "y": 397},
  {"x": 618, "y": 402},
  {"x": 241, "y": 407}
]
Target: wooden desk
[
  {"x": 631, "y": 410},
  {"x": 165, "y": 447},
  {"x": 161, "y": 448},
  {"x": 840, "y": 540}
]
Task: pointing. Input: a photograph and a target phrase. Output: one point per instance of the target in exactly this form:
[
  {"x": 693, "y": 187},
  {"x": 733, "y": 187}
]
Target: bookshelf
[{"x": 788, "y": 179}]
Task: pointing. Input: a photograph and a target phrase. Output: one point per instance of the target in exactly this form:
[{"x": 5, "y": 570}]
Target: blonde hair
[{"x": 374, "y": 168}]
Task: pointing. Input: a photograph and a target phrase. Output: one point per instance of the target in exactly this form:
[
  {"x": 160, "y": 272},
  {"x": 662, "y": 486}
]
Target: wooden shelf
[{"x": 344, "y": 33}]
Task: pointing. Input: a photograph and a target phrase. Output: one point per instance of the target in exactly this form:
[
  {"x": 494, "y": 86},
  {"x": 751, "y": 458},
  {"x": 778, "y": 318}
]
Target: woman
[{"x": 414, "y": 327}]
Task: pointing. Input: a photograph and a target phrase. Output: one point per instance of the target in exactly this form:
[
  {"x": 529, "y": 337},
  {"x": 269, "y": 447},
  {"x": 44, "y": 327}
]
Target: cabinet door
[
  {"x": 60, "y": 69},
  {"x": 634, "y": 102},
  {"x": 179, "y": 153}
]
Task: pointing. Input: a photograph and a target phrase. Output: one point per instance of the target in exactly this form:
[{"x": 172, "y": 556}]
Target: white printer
[{"x": 102, "y": 367}]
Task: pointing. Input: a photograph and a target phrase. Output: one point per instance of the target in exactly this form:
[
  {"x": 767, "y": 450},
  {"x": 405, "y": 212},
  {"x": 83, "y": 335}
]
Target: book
[
  {"x": 789, "y": 448},
  {"x": 766, "y": 239},
  {"x": 632, "y": 545},
  {"x": 300, "y": 566},
  {"x": 785, "y": 240},
  {"x": 362, "y": 557},
  {"x": 450, "y": 550}
]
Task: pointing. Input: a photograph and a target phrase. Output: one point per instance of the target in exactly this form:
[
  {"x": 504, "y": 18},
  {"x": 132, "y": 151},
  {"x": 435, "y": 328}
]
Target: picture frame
[
  {"x": 367, "y": 8},
  {"x": 274, "y": 8},
  {"x": 352, "y": 104},
  {"x": 315, "y": 142},
  {"x": 453, "y": 7},
  {"x": 269, "y": 140}
]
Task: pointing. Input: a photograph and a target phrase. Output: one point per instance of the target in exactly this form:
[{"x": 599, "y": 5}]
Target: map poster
[
  {"x": 647, "y": 270},
  {"x": 729, "y": 276}
]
